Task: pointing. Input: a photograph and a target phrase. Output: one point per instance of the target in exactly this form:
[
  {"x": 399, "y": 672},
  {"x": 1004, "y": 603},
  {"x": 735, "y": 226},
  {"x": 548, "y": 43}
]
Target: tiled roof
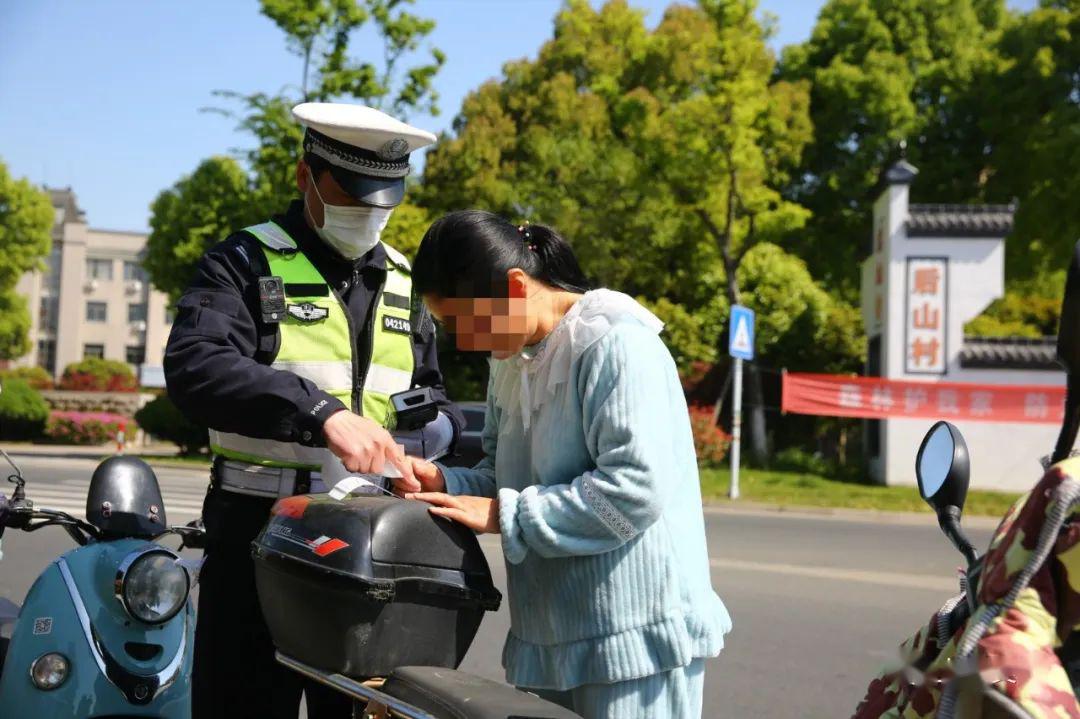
[
  {"x": 960, "y": 220},
  {"x": 900, "y": 173},
  {"x": 1009, "y": 353}
]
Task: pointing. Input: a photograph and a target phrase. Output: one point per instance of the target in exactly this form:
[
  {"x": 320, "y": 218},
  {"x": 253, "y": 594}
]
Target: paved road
[{"x": 818, "y": 603}]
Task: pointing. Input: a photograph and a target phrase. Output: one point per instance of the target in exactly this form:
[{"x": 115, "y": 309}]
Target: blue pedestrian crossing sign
[{"x": 741, "y": 333}]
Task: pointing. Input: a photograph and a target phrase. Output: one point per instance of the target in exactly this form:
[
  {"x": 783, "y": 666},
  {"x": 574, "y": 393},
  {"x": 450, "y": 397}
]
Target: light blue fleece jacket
[{"x": 601, "y": 516}]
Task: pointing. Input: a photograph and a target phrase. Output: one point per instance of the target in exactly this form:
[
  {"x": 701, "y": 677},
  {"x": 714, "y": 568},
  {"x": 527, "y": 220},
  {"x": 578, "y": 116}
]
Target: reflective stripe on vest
[{"x": 321, "y": 351}]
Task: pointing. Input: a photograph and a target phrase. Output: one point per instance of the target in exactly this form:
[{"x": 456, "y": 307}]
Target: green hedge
[
  {"x": 23, "y": 412},
  {"x": 162, "y": 419}
]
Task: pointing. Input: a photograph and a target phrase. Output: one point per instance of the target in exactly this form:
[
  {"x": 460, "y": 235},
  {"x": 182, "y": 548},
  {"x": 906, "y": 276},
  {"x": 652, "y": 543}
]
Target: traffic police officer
[{"x": 289, "y": 344}]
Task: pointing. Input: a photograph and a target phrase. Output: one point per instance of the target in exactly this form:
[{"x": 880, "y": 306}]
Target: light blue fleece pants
[{"x": 676, "y": 694}]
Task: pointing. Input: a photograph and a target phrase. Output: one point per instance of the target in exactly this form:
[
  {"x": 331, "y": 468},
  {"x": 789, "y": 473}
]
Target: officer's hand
[
  {"x": 363, "y": 446},
  {"x": 427, "y": 477}
]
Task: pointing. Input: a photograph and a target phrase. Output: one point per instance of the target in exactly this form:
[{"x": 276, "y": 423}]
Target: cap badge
[{"x": 393, "y": 149}]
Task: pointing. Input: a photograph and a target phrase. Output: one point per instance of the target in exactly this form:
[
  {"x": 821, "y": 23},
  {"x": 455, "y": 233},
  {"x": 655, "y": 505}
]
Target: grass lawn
[{"x": 809, "y": 490}]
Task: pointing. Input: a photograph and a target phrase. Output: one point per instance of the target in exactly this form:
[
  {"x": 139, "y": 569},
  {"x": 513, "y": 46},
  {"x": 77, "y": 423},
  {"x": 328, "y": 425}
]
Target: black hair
[
  {"x": 317, "y": 164},
  {"x": 468, "y": 253}
]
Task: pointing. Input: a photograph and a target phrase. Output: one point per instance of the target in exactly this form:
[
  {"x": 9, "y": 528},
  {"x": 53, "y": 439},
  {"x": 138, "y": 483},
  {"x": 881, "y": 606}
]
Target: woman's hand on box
[
  {"x": 428, "y": 478},
  {"x": 480, "y": 514}
]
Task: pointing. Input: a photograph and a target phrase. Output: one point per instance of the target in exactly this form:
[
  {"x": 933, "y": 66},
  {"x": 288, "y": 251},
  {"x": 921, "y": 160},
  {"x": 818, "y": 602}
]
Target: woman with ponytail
[{"x": 589, "y": 476}]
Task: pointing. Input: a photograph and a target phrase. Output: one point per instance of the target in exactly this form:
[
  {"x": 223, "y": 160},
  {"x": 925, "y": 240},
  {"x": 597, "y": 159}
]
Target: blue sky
[{"x": 105, "y": 96}]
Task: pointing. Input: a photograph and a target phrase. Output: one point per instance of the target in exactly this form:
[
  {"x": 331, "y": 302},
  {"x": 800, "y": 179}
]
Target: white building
[
  {"x": 93, "y": 299},
  {"x": 932, "y": 269}
]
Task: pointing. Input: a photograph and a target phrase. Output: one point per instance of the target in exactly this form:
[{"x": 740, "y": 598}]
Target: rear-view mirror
[{"x": 942, "y": 467}]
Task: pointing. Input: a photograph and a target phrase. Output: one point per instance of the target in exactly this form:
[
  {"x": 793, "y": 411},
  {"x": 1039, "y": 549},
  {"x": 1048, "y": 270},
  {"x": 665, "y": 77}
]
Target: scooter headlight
[
  {"x": 152, "y": 586},
  {"x": 49, "y": 671}
]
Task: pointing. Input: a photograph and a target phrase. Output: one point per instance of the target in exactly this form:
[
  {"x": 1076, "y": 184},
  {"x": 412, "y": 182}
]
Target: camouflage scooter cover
[{"x": 1015, "y": 657}]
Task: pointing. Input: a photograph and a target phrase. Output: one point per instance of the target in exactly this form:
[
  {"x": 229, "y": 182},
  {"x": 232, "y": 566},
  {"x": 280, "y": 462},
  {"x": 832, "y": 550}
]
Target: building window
[
  {"x": 96, "y": 312},
  {"x": 46, "y": 357},
  {"x": 98, "y": 269},
  {"x": 93, "y": 351},
  {"x": 52, "y": 281},
  {"x": 137, "y": 312},
  {"x": 47, "y": 316},
  {"x": 135, "y": 354},
  {"x": 133, "y": 271}
]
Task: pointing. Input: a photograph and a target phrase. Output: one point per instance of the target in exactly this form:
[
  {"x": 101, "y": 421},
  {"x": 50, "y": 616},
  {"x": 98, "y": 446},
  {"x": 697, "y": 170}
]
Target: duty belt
[{"x": 259, "y": 481}]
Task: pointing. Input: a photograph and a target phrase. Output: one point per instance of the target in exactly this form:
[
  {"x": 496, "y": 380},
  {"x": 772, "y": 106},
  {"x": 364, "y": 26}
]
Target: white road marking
[
  {"x": 889, "y": 579},
  {"x": 183, "y": 492}
]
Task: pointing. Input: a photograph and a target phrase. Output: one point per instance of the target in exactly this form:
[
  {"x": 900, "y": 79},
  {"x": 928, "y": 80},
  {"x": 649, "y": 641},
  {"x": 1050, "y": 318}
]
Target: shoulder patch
[
  {"x": 398, "y": 259},
  {"x": 272, "y": 236}
]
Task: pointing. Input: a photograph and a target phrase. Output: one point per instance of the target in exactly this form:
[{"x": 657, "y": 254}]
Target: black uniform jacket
[{"x": 217, "y": 359}]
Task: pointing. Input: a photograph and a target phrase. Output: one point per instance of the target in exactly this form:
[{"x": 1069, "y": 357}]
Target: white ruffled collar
[{"x": 541, "y": 368}]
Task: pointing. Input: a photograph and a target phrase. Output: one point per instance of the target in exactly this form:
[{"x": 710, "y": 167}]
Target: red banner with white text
[{"x": 876, "y": 398}]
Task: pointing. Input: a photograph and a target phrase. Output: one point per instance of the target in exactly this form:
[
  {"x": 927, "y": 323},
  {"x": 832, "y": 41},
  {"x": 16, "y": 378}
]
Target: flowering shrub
[
  {"x": 99, "y": 375},
  {"x": 36, "y": 377},
  {"x": 703, "y": 382},
  {"x": 86, "y": 427},
  {"x": 710, "y": 442},
  {"x": 694, "y": 375}
]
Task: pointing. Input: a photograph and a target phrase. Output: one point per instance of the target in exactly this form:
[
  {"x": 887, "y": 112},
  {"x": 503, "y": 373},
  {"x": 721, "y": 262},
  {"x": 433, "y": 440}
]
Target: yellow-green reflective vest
[{"x": 316, "y": 345}]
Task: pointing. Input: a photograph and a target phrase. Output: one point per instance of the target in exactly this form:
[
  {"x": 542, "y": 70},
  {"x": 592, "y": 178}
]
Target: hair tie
[{"x": 526, "y": 234}]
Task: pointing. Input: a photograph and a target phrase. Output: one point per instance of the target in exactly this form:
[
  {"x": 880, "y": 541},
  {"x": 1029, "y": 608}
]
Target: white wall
[
  {"x": 976, "y": 278},
  {"x": 1004, "y": 457}
]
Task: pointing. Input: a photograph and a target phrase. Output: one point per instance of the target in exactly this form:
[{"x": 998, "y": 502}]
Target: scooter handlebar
[{"x": 192, "y": 535}]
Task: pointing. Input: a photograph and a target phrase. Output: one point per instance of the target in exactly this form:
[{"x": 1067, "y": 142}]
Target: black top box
[{"x": 364, "y": 585}]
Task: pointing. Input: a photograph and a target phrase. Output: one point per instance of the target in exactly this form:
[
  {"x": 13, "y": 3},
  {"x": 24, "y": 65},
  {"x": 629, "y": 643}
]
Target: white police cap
[{"x": 367, "y": 150}]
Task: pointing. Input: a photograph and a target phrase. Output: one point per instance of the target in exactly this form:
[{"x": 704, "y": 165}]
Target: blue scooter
[{"x": 107, "y": 630}]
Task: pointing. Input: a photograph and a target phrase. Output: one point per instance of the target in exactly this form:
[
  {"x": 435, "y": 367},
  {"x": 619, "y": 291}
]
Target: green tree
[
  {"x": 318, "y": 32},
  {"x": 26, "y": 218},
  {"x": 660, "y": 154},
  {"x": 885, "y": 72},
  {"x": 1031, "y": 116},
  {"x": 198, "y": 211},
  {"x": 222, "y": 195},
  {"x": 406, "y": 228},
  {"x": 14, "y": 325},
  {"x": 1022, "y": 312},
  {"x": 800, "y": 326}
]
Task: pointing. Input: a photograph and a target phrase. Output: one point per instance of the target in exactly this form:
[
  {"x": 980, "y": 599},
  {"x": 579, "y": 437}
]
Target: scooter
[
  {"x": 1009, "y": 644},
  {"x": 107, "y": 629}
]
